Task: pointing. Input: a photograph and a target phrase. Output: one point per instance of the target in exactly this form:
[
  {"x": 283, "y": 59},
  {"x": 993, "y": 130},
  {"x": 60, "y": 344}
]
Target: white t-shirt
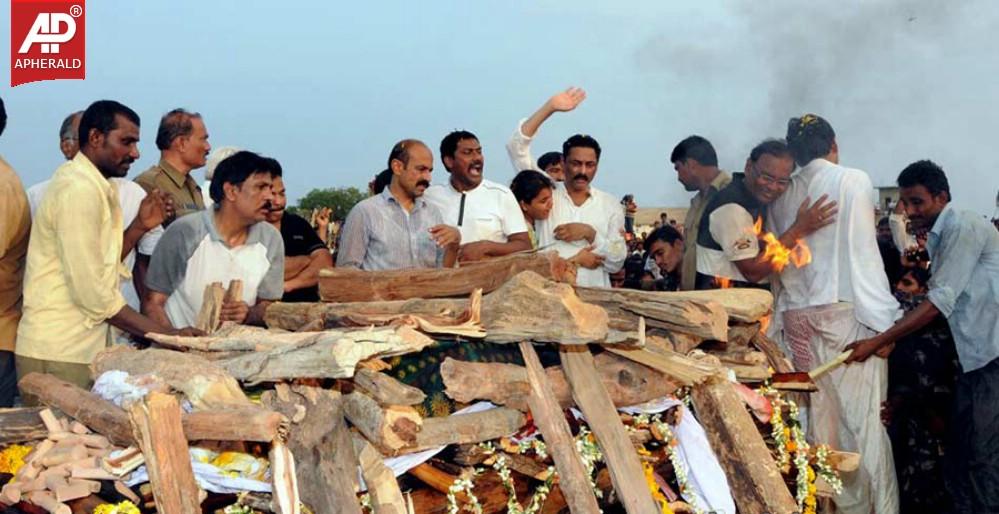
[
  {"x": 491, "y": 212},
  {"x": 130, "y": 196},
  {"x": 731, "y": 226}
]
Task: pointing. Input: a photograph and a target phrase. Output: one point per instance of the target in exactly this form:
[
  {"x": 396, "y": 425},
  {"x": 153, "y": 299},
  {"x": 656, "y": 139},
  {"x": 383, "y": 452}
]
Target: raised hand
[{"x": 567, "y": 100}]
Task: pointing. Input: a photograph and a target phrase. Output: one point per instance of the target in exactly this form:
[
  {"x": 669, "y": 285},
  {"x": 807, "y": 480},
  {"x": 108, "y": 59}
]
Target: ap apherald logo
[{"x": 47, "y": 40}]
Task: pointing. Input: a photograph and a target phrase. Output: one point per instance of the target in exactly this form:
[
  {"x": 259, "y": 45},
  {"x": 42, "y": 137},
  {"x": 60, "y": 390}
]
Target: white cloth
[
  {"x": 491, "y": 212},
  {"x": 130, "y": 196},
  {"x": 846, "y": 264},
  {"x": 206, "y": 194},
  {"x": 845, "y": 413},
  {"x": 732, "y": 227},
  {"x": 705, "y": 475},
  {"x": 518, "y": 148},
  {"x": 600, "y": 211}
]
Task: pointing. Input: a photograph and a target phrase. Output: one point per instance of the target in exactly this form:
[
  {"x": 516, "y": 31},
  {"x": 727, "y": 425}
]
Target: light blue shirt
[
  {"x": 964, "y": 251},
  {"x": 380, "y": 235}
]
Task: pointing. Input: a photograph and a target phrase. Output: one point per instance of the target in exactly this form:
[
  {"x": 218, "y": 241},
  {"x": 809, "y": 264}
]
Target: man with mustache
[
  {"x": 586, "y": 225},
  {"x": 486, "y": 213},
  {"x": 183, "y": 142},
  {"x": 964, "y": 252},
  {"x": 304, "y": 253},
  {"x": 398, "y": 228},
  {"x": 230, "y": 241},
  {"x": 71, "y": 295},
  {"x": 728, "y": 249}
]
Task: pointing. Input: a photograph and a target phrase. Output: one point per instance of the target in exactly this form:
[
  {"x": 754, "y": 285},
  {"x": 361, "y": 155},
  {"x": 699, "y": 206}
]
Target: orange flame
[
  {"x": 723, "y": 282},
  {"x": 778, "y": 254}
]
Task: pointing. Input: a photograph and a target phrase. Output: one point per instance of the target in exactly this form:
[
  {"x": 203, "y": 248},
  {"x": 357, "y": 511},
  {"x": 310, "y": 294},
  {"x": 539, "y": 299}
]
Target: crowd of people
[{"x": 88, "y": 257}]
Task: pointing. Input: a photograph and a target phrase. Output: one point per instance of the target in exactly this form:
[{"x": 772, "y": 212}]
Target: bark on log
[
  {"x": 619, "y": 454},
  {"x": 697, "y": 316},
  {"x": 548, "y": 416},
  {"x": 775, "y": 356},
  {"x": 157, "y": 427},
  {"x": 745, "y": 305},
  {"x": 473, "y": 427},
  {"x": 389, "y": 428},
  {"x": 678, "y": 368},
  {"x": 317, "y": 420},
  {"x": 299, "y": 316},
  {"x": 385, "y": 389},
  {"x": 205, "y": 384},
  {"x": 756, "y": 483},
  {"x": 628, "y": 383},
  {"x": 351, "y": 285},
  {"x": 104, "y": 417},
  {"x": 21, "y": 425}
]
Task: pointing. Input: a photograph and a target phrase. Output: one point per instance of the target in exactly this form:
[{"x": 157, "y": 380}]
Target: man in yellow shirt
[
  {"x": 71, "y": 294},
  {"x": 15, "y": 225}
]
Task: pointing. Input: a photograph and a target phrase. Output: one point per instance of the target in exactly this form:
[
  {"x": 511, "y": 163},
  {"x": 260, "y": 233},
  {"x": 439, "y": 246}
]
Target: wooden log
[
  {"x": 351, "y": 285},
  {"x": 47, "y": 501},
  {"x": 548, "y": 416},
  {"x": 390, "y": 428},
  {"x": 284, "y": 484},
  {"x": 386, "y": 497},
  {"x": 157, "y": 427},
  {"x": 628, "y": 383},
  {"x": 242, "y": 424},
  {"x": 680, "y": 369},
  {"x": 325, "y": 472},
  {"x": 301, "y": 316},
  {"x": 21, "y": 425},
  {"x": 473, "y": 427},
  {"x": 755, "y": 481},
  {"x": 778, "y": 361},
  {"x": 211, "y": 308},
  {"x": 619, "y": 454},
  {"x": 697, "y": 316},
  {"x": 385, "y": 389},
  {"x": 205, "y": 384}
]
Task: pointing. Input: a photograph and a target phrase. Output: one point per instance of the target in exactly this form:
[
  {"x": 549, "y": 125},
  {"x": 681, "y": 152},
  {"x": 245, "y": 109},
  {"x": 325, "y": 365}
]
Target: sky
[{"x": 328, "y": 87}]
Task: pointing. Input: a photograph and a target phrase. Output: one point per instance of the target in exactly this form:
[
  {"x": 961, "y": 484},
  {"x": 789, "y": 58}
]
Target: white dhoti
[{"x": 845, "y": 413}]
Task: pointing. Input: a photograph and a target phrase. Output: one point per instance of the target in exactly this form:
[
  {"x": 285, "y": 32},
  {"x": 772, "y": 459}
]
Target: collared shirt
[
  {"x": 380, "y": 235},
  {"x": 692, "y": 224},
  {"x": 846, "y": 264},
  {"x": 192, "y": 254},
  {"x": 600, "y": 211},
  {"x": 727, "y": 234},
  {"x": 187, "y": 197},
  {"x": 74, "y": 267},
  {"x": 15, "y": 226},
  {"x": 487, "y": 213},
  {"x": 964, "y": 285},
  {"x": 130, "y": 196}
]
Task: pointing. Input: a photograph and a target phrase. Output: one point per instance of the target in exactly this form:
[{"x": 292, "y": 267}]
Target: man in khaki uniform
[
  {"x": 696, "y": 165},
  {"x": 15, "y": 225},
  {"x": 183, "y": 142}
]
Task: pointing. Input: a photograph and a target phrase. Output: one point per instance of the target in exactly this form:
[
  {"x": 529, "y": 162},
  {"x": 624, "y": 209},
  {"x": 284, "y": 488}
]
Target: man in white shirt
[
  {"x": 486, "y": 213},
  {"x": 841, "y": 297}
]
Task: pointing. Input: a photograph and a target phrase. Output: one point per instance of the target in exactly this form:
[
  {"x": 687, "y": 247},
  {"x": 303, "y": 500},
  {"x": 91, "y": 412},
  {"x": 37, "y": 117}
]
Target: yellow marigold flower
[{"x": 12, "y": 458}]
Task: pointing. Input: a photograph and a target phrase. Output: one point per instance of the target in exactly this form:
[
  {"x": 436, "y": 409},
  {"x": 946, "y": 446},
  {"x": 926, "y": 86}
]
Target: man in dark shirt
[
  {"x": 729, "y": 253},
  {"x": 304, "y": 253}
]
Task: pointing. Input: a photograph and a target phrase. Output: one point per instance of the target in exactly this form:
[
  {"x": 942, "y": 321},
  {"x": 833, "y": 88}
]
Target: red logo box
[{"x": 47, "y": 40}]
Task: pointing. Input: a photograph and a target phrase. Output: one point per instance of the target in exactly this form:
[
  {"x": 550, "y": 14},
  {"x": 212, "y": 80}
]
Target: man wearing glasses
[{"x": 729, "y": 253}]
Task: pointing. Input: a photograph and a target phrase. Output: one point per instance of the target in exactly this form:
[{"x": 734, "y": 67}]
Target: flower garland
[
  {"x": 825, "y": 470},
  {"x": 805, "y": 479},
  {"x": 463, "y": 485},
  {"x": 125, "y": 507},
  {"x": 650, "y": 482},
  {"x": 670, "y": 442},
  {"x": 12, "y": 458},
  {"x": 590, "y": 454}
]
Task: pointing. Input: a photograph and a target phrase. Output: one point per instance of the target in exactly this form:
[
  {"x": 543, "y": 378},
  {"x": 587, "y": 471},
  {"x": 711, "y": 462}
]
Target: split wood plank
[
  {"x": 386, "y": 497},
  {"x": 701, "y": 317},
  {"x": 756, "y": 483},
  {"x": 681, "y": 369},
  {"x": 351, "y": 285},
  {"x": 211, "y": 308},
  {"x": 157, "y": 427},
  {"x": 473, "y": 427},
  {"x": 317, "y": 420},
  {"x": 574, "y": 482},
  {"x": 619, "y": 454}
]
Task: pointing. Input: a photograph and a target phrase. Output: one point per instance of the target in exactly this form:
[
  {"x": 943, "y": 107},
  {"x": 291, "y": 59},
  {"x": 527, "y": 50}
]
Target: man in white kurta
[{"x": 842, "y": 296}]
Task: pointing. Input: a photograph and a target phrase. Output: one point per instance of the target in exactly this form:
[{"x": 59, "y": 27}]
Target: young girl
[{"x": 533, "y": 191}]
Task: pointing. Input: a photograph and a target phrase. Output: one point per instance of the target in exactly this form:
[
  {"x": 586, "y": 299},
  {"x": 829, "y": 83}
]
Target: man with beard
[
  {"x": 728, "y": 249},
  {"x": 586, "y": 225},
  {"x": 696, "y": 165},
  {"x": 231, "y": 241},
  {"x": 486, "y": 213},
  {"x": 399, "y": 228},
  {"x": 71, "y": 295},
  {"x": 840, "y": 297},
  {"x": 304, "y": 253},
  {"x": 964, "y": 252},
  {"x": 183, "y": 142}
]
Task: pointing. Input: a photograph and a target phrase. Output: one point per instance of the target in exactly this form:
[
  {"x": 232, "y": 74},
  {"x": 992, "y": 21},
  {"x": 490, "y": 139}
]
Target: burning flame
[
  {"x": 780, "y": 255},
  {"x": 723, "y": 282}
]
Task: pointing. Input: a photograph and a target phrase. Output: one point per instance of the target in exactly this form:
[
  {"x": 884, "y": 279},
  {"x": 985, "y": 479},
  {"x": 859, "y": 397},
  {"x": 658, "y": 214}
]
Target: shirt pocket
[{"x": 489, "y": 228}]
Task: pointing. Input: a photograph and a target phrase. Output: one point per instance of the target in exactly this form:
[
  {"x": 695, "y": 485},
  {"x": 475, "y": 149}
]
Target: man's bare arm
[{"x": 309, "y": 275}]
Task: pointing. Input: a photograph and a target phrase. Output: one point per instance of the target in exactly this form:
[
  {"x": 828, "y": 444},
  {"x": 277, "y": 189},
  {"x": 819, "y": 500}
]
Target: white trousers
[{"x": 845, "y": 413}]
